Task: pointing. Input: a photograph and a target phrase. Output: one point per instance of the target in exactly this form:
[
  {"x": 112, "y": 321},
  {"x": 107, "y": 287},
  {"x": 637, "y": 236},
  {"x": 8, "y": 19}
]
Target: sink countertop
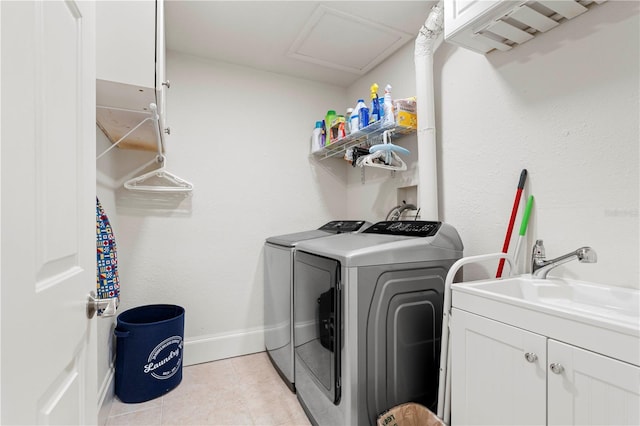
[{"x": 600, "y": 318}]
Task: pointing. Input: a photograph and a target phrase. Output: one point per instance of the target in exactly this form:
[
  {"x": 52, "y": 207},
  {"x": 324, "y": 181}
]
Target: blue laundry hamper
[{"x": 149, "y": 352}]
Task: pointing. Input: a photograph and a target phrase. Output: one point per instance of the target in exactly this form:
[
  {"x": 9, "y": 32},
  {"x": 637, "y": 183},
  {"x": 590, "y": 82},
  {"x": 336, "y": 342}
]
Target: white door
[
  {"x": 586, "y": 388},
  {"x": 497, "y": 374},
  {"x": 47, "y": 233}
]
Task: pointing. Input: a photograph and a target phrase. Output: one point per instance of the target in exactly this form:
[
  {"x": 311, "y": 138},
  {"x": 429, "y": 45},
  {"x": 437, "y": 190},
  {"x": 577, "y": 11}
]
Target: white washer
[
  {"x": 279, "y": 253},
  {"x": 367, "y": 319}
]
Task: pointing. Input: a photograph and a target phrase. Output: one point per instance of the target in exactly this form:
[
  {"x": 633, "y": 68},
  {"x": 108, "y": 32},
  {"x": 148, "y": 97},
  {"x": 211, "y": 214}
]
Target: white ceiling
[{"x": 327, "y": 41}]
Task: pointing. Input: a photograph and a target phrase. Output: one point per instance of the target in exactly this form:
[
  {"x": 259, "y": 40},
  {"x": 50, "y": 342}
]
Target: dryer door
[
  {"x": 403, "y": 337},
  {"x": 317, "y": 321}
]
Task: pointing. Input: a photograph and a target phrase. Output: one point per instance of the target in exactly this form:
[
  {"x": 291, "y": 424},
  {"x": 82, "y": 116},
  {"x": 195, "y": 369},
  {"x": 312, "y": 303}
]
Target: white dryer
[
  {"x": 279, "y": 253},
  {"x": 367, "y": 319}
]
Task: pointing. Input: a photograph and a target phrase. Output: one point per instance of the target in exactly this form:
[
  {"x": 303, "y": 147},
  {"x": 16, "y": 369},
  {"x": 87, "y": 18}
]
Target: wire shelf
[{"x": 370, "y": 135}]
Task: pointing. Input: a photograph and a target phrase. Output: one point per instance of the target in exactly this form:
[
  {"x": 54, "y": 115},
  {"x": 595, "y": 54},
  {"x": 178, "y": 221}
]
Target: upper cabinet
[
  {"x": 130, "y": 62},
  {"x": 485, "y": 25}
]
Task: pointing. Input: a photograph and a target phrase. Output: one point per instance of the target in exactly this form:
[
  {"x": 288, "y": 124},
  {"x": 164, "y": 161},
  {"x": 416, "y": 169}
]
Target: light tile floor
[{"x": 238, "y": 391}]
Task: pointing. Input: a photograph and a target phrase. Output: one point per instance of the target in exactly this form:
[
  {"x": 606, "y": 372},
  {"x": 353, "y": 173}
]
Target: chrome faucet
[{"x": 540, "y": 267}]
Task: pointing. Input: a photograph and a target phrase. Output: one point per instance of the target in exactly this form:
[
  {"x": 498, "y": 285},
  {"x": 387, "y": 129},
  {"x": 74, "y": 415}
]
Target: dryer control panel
[
  {"x": 409, "y": 228},
  {"x": 340, "y": 226}
]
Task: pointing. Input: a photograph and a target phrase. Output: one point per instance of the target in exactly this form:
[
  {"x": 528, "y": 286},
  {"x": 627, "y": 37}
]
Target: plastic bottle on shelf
[
  {"x": 328, "y": 122},
  {"x": 355, "y": 116},
  {"x": 347, "y": 120},
  {"x": 363, "y": 114},
  {"x": 316, "y": 137},
  {"x": 375, "y": 104},
  {"x": 388, "y": 106}
]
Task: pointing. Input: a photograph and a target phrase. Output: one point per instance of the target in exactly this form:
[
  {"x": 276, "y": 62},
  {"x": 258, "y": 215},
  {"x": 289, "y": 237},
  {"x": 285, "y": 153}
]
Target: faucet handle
[{"x": 538, "y": 250}]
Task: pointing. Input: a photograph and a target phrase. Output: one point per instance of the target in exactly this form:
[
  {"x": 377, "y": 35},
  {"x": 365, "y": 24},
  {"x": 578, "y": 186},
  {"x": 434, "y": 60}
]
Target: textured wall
[{"x": 564, "y": 106}]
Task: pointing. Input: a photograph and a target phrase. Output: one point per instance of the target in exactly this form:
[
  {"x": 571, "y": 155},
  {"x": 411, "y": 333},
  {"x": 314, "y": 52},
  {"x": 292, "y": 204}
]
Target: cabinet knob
[
  {"x": 167, "y": 130},
  {"x": 167, "y": 84},
  {"x": 531, "y": 357},
  {"x": 556, "y": 368}
]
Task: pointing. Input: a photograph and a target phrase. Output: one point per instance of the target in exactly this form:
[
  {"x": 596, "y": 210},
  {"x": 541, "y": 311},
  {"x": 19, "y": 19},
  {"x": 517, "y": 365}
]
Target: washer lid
[
  {"x": 291, "y": 240},
  {"x": 330, "y": 228}
]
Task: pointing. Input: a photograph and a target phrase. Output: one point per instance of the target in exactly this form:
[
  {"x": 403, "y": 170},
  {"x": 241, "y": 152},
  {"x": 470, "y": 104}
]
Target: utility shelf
[{"x": 370, "y": 135}]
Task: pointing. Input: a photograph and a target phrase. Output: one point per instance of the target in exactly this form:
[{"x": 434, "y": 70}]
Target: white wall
[
  {"x": 565, "y": 107},
  {"x": 242, "y": 137}
]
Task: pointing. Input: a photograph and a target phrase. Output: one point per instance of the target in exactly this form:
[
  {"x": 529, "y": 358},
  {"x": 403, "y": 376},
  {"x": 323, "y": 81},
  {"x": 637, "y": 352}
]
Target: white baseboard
[
  {"x": 211, "y": 348},
  {"x": 106, "y": 394}
]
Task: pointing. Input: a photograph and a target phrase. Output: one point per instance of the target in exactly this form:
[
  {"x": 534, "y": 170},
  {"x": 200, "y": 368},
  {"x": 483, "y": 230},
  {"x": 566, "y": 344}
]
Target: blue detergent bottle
[
  {"x": 363, "y": 114},
  {"x": 375, "y": 104}
]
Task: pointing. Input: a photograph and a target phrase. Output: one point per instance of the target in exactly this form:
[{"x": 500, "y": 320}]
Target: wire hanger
[{"x": 158, "y": 180}]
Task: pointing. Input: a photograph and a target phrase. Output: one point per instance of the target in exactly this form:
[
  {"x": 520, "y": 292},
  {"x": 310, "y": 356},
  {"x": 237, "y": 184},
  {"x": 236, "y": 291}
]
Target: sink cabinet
[
  {"x": 491, "y": 381},
  {"x": 508, "y": 375},
  {"x": 592, "y": 389}
]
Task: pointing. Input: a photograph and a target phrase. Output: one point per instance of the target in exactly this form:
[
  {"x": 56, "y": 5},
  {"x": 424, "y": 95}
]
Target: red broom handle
[{"x": 512, "y": 220}]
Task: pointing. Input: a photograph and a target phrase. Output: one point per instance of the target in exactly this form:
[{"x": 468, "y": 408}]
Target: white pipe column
[{"x": 428, "y": 40}]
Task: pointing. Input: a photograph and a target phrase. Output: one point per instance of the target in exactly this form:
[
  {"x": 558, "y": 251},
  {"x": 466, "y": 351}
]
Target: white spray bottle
[{"x": 388, "y": 117}]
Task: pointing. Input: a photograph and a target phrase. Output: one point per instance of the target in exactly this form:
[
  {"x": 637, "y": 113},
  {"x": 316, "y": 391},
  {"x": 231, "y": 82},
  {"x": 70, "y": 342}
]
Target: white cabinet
[
  {"x": 130, "y": 61},
  {"x": 591, "y": 389},
  {"x": 463, "y": 20},
  {"x": 126, "y": 42},
  {"x": 484, "y": 25},
  {"x": 492, "y": 382},
  {"x": 505, "y": 375}
]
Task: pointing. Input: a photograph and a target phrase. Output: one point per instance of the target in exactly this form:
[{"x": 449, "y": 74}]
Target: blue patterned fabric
[{"x": 108, "y": 282}]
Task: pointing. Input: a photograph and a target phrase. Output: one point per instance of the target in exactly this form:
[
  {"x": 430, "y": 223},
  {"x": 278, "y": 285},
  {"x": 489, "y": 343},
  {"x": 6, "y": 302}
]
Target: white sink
[
  {"x": 612, "y": 303},
  {"x": 602, "y": 318}
]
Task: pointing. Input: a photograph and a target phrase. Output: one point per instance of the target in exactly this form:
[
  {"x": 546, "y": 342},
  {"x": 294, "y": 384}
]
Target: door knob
[
  {"x": 108, "y": 306},
  {"x": 556, "y": 368}
]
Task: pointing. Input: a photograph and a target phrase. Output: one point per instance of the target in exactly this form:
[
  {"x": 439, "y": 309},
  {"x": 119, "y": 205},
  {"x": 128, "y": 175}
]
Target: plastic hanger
[
  {"x": 388, "y": 146},
  {"x": 384, "y": 155},
  {"x": 159, "y": 180},
  {"x": 384, "y": 160}
]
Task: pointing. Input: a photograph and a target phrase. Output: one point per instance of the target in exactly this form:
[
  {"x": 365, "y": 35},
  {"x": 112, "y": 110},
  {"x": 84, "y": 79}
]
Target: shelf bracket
[{"x": 153, "y": 117}]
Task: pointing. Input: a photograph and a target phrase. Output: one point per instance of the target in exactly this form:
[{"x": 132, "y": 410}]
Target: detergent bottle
[
  {"x": 375, "y": 104},
  {"x": 363, "y": 114},
  {"x": 316, "y": 138},
  {"x": 355, "y": 116}
]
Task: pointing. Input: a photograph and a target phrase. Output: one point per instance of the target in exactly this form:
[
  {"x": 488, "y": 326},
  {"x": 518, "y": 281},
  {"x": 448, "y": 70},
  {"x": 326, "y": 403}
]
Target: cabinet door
[
  {"x": 588, "y": 388},
  {"x": 492, "y": 381},
  {"x": 125, "y": 42},
  {"x": 160, "y": 77},
  {"x": 458, "y": 13}
]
